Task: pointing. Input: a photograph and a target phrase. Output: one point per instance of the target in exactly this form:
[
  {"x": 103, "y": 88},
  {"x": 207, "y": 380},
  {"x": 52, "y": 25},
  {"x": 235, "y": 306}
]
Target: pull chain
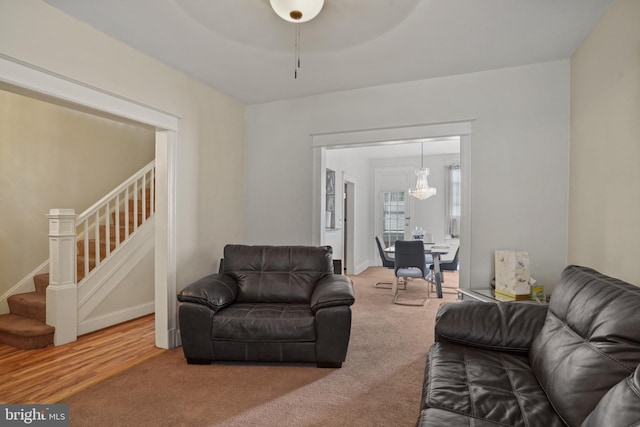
[{"x": 297, "y": 52}]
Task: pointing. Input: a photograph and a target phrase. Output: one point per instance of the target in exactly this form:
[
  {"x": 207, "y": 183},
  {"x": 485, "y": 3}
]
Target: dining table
[{"x": 436, "y": 250}]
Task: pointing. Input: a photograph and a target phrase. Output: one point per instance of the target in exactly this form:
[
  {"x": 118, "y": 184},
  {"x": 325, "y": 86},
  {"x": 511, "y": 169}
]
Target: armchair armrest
[
  {"x": 332, "y": 290},
  {"x": 502, "y": 326},
  {"x": 215, "y": 291}
]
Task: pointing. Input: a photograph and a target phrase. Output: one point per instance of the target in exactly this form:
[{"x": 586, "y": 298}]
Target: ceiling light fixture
[
  {"x": 422, "y": 190},
  {"x": 297, "y": 11}
]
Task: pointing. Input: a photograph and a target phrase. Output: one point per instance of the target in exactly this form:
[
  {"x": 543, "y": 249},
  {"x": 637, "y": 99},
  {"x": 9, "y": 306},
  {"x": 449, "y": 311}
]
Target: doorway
[
  {"x": 40, "y": 83},
  {"x": 321, "y": 142},
  {"x": 349, "y": 239}
]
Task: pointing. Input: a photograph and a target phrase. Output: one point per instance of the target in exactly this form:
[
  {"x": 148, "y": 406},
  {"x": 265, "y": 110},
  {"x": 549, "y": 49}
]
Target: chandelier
[
  {"x": 297, "y": 11},
  {"x": 422, "y": 191}
]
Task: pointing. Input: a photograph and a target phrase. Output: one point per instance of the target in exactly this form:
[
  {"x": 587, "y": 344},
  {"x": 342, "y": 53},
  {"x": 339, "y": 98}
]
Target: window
[{"x": 393, "y": 217}]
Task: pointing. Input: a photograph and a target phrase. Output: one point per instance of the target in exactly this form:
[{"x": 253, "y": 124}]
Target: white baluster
[
  {"x": 116, "y": 210},
  {"x": 135, "y": 205}
]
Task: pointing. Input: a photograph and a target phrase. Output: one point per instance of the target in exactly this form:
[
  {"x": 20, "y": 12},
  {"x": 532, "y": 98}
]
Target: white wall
[
  {"x": 209, "y": 176},
  {"x": 358, "y": 169},
  {"x": 605, "y": 145},
  {"x": 519, "y": 153}
]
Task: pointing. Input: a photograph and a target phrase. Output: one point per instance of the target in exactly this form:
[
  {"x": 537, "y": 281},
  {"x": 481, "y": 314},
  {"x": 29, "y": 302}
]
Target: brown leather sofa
[
  {"x": 269, "y": 304},
  {"x": 574, "y": 363}
]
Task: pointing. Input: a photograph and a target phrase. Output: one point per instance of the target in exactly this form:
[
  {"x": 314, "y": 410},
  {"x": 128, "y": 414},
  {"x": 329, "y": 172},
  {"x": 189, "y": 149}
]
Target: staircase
[{"x": 25, "y": 326}]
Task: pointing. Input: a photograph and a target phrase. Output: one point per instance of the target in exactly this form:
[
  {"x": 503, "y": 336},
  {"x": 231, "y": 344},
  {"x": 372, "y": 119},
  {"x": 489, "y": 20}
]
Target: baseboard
[
  {"x": 24, "y": 285},
  {"x": 361, "y": 267},
  {"x": 120, "y": 316}
]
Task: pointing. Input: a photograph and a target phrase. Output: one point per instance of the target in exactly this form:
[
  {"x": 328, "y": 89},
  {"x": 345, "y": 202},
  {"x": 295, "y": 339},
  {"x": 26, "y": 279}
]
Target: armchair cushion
[
  {"x": 277, "y": 274},
  {"x": 331, "y": 291},
  {"x": 506, "y": 326},
  {"x": 216, "y": 291},
  {"x": 265, "y": 322}
]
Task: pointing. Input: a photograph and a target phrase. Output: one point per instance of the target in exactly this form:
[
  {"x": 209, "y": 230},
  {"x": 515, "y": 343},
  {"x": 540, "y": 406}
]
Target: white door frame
[
  {"x": 53, "y": 87},
  {"x": 349, "y": 222},
  {"x": 353, "y": 138}
]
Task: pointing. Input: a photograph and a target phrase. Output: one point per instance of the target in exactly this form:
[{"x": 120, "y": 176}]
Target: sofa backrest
[
  {"x": 620, "y": 406},
  {"x": 590, "y": 341},
  {"x": 277, "y": 274}
]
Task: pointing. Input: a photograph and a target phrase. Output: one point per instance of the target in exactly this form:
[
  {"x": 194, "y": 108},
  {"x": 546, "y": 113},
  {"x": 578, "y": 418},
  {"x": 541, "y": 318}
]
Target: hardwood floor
[{"x": 51, "y": 374}]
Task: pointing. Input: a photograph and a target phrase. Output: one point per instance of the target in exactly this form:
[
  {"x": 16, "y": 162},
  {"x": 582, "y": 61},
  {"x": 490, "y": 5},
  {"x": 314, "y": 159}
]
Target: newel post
[{"x": 62, "y": 292}]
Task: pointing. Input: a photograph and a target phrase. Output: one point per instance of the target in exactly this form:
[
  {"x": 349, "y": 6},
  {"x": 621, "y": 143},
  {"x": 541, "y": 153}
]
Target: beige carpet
[{"x": 378, "y": 385}]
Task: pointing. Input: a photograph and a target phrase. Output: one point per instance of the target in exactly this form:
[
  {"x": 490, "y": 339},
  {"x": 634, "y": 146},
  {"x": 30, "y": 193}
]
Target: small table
[
  {"x": 489, "y": 295},
  {"x": 435, "y": 250}
]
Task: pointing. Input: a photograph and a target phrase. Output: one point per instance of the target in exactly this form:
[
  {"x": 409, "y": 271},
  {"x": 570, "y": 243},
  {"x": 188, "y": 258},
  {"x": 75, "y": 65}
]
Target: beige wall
[
  {"x": 604, "y": 203},
  {"x": 55, "y": 157},
  {"x": 210, "y": 146}
]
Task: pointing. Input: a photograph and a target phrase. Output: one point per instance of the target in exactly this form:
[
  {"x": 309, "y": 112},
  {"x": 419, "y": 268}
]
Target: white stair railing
[
  {"x": 106, "y": 225},
  {"x": 111, "y": 221}
]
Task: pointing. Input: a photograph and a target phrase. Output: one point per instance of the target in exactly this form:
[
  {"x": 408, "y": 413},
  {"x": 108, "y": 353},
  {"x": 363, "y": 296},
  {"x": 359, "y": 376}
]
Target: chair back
[
  {"x": 452, "y": 265},
  {"x": 410, "y": 253},
  {"x": 387, "y": 261},
  {"x": 277, "y": 274}
]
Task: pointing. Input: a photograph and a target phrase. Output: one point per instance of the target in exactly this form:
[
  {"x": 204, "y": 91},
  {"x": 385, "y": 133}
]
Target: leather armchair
[
  {"x": 271, "y": 304},
  {"x": 572, "y": 363}
]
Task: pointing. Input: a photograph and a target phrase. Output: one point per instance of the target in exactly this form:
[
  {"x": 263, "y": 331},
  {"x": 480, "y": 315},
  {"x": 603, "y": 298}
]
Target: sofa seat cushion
[
  {"x": 265, "y": 323},
  {"x": 433, "y": 417},
  {"x": 487, "y": 385}
]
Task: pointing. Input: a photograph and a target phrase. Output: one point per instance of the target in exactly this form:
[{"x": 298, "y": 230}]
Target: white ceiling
[{"x": 243, "y": 49}]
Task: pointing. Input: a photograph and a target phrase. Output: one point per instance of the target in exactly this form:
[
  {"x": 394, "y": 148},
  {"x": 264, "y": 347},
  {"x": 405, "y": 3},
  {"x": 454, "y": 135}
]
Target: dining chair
[
  {"x": 409, "y": 262},
  {"x": 447, "y": 266},
  {"x": 387, "y": 261}
]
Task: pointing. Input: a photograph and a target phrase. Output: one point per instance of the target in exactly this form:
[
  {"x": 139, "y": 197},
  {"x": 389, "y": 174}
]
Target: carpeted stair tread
[
  {"x": 92, "y": 247},
  {"x": 30, "y": 304},
  {"x": 41, "y": 281},
  {"x": 123, "y": 218},
  {"x": 112, "y": 232},
  {"x": 24, "y": 332},
  {"x": 146, "y": 208},
  {"x": 24, "y": 326}
]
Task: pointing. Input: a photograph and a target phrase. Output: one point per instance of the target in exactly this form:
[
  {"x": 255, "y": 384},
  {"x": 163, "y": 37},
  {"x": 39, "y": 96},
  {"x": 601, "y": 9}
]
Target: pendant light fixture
[
  {"x": 297, "y": 11},
  {"x": 422, "y": 190}
]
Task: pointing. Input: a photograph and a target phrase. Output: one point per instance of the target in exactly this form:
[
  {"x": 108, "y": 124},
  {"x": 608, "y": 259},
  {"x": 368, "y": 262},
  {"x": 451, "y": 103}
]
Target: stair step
[
  {"x": 24, "y": 332},
  {"x": 123, "y": 218},
  {"x": 41, "y": 281},
  {"x": 147, "y": 206},
  {"x": 29, "y": 304},
  {"x": 92, "y": 247},
  {"x": 92, "y": 263},
  {"x": 112, "y": 232}
]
